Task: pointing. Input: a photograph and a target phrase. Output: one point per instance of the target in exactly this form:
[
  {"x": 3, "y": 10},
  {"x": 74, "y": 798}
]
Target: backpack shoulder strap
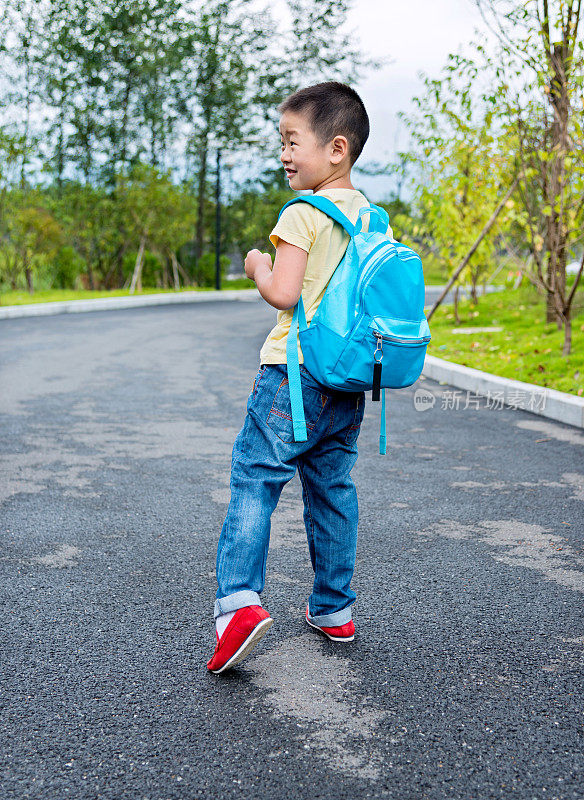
[
  {"x": 327, "y": 207},
  {"x": 383, "y": 220},
  {"x": 378, "y": 219},
  {"x": 292, "y": 366}
]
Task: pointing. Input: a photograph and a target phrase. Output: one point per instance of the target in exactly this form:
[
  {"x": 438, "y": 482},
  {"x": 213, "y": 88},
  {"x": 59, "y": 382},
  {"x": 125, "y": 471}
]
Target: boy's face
[{"x": 307, "y": 163}]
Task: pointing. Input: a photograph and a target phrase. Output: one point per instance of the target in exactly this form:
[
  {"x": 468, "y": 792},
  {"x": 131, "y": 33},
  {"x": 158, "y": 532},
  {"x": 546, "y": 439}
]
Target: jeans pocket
[
  {"x": 257, "y": 379},
  {"x": 352, "y": 432},
  {"x": 279, "y": 418}
]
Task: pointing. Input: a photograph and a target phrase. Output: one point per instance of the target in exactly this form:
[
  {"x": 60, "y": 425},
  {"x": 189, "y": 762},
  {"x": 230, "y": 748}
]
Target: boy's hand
[
  {"x": 282, "y": 285},
  {"x": 253, "y": 259}
]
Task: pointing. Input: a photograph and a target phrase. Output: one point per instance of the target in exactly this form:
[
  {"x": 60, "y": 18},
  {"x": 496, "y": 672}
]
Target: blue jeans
[{"x": 265, "y": 457}]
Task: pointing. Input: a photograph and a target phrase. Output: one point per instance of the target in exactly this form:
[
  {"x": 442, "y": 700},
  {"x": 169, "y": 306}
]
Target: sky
[{"x": 417, "y": 35}]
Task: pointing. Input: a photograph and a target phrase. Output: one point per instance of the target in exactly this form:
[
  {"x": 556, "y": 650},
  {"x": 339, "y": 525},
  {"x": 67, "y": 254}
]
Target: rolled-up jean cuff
[
  {"x": 333, "y": 620},
  {"x": 232, "y": 602}
]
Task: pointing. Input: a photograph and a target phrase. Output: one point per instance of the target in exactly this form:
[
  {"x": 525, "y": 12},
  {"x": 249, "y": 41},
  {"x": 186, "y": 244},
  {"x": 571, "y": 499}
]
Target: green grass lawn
[
  {"x": 526, "y": 349},
  {"x": 53, "y": 295}
]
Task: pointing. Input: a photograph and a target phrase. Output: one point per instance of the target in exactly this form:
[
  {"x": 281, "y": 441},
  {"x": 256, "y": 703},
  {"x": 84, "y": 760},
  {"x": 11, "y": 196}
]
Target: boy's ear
[{"x": 339, "y": 149}]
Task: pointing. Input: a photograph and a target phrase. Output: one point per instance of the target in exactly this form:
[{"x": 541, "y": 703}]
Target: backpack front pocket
[
  {"x": 279, "y": 418},
  {"x": 401, "y": 350}
]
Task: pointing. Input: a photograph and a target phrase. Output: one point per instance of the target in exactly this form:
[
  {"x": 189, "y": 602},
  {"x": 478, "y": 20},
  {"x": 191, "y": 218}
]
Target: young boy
[{"x": 323, "y": 129}]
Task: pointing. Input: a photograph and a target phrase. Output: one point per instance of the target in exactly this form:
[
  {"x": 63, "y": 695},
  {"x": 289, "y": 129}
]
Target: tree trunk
[
  {"x": 175, "y": 271},
  {"x": 165, "y": 263},
  {"x": 456, "y": 317},
  {"x": 567, "y": 348},
  {"x": 137, "y": 275},
  {"x": 200, "y": 232},
  {"x": 119, "y": 256},
  {"x": 557, "y": 278},
  {"x": 475, "y": 246},
  {"x": 90, "y": 276},
  {"x": 560, "y": 101},
  {"x": 13, "y": 270},
  {"x": 25, "y": 42},
  {"x": 120, "y": 267},
  {"x": 61, "y": 141},
  {"x": 27, "y": 271},
  {"x": 86, "y": 153},
  {"x": 186, "y": 279},
  {"x": 124, "y": 131}
]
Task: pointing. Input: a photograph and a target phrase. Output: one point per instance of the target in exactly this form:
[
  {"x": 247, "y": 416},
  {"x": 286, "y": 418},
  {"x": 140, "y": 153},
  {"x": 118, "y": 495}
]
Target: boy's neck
[{"x": 340, "y": 182}]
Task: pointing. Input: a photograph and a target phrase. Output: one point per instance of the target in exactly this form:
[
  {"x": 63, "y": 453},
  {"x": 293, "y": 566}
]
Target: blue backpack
[{"x": 369, "y": 330}]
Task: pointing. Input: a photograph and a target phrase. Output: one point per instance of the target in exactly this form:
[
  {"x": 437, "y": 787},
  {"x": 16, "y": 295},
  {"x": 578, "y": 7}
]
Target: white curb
[
  {"x": 109, "y": 303},
  {"x": 126, "y": 301},
  {"x": 550, "y": 403}
]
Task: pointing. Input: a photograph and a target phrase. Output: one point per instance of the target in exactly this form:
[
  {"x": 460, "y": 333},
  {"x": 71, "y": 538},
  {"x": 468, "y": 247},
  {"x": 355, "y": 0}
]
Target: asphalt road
[{"x": 465, "y": 676}]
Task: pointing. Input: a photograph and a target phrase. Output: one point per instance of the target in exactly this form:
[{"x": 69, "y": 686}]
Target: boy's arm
[{"x": 281, "y": 285}]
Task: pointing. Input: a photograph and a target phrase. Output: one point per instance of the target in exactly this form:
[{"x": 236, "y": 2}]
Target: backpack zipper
[
  {"x": 402, "y": 339},
  {"x": 364, "y": 274},
  {"x": 368, "y": 265},
  {"x": 371, "y": 266},
  {"x": 380, "y": 337}
]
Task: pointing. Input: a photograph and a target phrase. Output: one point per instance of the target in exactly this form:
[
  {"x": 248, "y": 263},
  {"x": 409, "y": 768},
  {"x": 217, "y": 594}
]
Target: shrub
[
  {"x": 67, "y": 265},
  {"x": 204, "y": 271}
]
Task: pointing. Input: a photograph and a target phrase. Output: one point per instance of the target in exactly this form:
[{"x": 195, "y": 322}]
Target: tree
[
  {"x": 33, "y": 231},
  {"x": 219, "y": 95},
  {"x": 86, "y": 214},
  {"x": 458, "y": 167},
  {"x": 242, "y": 74},
  {"x": 319, "y": 47},
  {"x": 539, "y": 72},
  {"x": 101, "y": 89},
  {"x": 252, "y": 216},
  {"x": 19, "y": 73},
  {"x": 158, "y": 216}
]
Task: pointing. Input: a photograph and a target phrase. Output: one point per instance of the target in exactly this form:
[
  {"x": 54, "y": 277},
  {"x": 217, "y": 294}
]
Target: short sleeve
[{"x": 297, "y": 225}]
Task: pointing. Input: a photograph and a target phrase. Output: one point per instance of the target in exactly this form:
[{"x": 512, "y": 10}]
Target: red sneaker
[
  {"x": 245, "y": 629},
  {"x": 342, "y": 633}
]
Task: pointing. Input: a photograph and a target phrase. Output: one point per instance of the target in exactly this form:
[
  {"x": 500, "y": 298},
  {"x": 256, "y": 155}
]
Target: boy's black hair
[{"x": 333, "y": 109}]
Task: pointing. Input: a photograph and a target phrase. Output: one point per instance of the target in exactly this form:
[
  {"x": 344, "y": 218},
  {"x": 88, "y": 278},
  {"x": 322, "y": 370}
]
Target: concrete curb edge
[
  {"x": 110, "y": 303},
  {"x": 550, "y": 403},
  {"x": 167, "y": 298}
]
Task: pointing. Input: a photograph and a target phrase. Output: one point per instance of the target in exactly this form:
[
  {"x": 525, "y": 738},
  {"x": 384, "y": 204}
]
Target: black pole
[{"x": 218, "y": 222}]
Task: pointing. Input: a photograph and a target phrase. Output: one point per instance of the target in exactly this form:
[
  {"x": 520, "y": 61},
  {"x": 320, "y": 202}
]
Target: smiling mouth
[{"x": 290, "y": 172}]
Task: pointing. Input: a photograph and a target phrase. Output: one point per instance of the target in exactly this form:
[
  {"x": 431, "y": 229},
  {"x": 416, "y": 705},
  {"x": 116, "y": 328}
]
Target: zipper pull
[{"x": 376, "y": 389}]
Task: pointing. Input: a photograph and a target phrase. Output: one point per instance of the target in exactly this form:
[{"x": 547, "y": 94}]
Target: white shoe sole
[
  {"x": 332, "y": 638},
  {"x": 258, "y": 632}
]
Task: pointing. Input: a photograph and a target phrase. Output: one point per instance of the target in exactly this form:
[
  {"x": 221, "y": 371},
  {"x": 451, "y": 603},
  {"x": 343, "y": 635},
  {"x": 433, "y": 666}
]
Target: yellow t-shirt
[{"x": 325, "y": 241}]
